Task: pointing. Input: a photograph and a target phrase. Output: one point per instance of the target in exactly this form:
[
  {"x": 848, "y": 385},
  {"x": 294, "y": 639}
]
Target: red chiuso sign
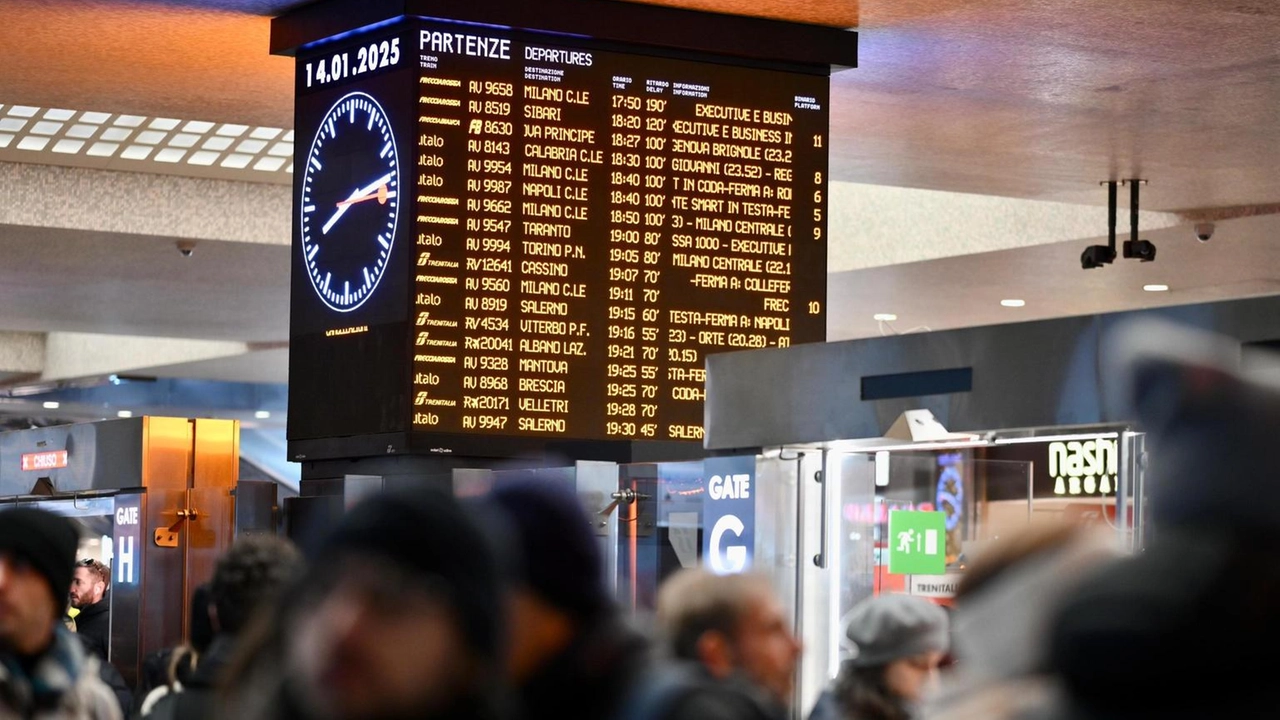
[{"x": 50, "y": 460}]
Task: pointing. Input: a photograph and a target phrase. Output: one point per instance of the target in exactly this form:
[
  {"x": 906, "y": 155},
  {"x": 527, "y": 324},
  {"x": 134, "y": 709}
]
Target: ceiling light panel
[{"x": 194, "y": 147}]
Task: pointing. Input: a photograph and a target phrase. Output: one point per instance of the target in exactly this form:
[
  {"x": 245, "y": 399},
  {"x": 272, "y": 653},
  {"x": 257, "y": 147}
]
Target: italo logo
[{"x": 1084, "y": 467}]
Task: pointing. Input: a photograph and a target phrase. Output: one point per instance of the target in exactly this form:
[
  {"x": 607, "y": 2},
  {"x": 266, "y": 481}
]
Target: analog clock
[{"x": 350, "y": 202}]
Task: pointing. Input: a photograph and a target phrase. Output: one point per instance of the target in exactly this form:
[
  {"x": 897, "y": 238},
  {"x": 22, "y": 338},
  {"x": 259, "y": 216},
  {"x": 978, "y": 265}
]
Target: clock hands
[
  {"x": 363, "y": 192},
  {"x": 381, "y": 195}
]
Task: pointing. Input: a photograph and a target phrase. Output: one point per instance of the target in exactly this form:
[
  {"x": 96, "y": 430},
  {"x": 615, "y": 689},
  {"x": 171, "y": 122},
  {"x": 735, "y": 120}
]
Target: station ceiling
[{"x": 1019, "y": 99}]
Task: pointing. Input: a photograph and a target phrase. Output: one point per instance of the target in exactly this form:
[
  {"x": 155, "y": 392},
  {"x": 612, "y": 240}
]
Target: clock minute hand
[{"x": 342, "y": 207}]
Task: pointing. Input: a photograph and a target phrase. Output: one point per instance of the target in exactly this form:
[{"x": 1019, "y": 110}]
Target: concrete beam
[
  {"x": 144, "y": 204},
  {"x": 76, "y": 355}
]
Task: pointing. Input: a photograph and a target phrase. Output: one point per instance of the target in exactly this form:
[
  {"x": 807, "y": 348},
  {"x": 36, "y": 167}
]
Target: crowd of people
[{"x": 421, "y": 606}]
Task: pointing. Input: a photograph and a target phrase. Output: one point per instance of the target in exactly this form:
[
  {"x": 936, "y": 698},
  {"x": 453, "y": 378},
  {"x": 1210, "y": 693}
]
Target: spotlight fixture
[
  {"x": 1156, "y": 287},
  {"x": 1133, "y": 247},
  {"x": 1013, "y": 303},
  {"x": 262, "y": 414},
  {"x": 1095, "y": 256},
  {"x": 884, "y": 317}
]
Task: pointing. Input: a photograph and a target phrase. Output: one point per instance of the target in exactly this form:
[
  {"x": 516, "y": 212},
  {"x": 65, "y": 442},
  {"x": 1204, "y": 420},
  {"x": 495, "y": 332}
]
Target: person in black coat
[
  {"x": 247, "y": 579},
  {"x": 571, "y": 655},
  {"x": 89, "y": 595}
]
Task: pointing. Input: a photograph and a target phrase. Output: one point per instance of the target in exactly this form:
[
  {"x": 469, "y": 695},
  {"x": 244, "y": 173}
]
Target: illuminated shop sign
[
  {"x": 1084, "y": 467},
  {"x": 51, "y": 460}
]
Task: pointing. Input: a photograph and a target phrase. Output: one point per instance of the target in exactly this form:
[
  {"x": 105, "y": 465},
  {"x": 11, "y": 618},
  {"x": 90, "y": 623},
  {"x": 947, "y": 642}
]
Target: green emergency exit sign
[{"x": 917, "y": 542}]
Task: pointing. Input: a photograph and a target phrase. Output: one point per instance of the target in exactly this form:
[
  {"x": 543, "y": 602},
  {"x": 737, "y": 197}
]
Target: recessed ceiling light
[
  {"x": 125, "y": 414},
  {"x": 197, "y": 126},
  {"x": 268, "y": 164},
  {"x": 46, "y": 127},
  {"x": 97, "y": 118},
  {"x": 5, "y": 140},
  {"x": 103, "y": 149},
  {"x": 884, "y": 317},
  {"x": 265, "y": 133},
  {"x": 59, "y": 114},
  {"x": 262, "y": 414},
  {"x": 67, "y": 146},
  {"x": 129, "y": 120},
  {"x": 281, "y": 149},
  {"x": 203, "y": 157},
  {"x": 149, "y": 137},
  {"x": 82, "y": 131},
  {"x": 1013, "y": 302},
  {"x": 1155, "y": 287},
  {"x": 170, "y": 155},
  {"x": 23, "y": 110},
  {"x": 232, "y": 130},
  {"x": 12, "y": 124},
  {"x": 236, "y": 161},
  {"x": 164, "y": 123},
  {"x": 217, "y": 143},
  {"x": 31, "y": 142},
  {"x": 184, "y": 140},
  {"x": 251, "y": 146},
  {"x": 136, "y": 152},
  {"x": 52, "y": 405},
  {"x": 115, "y": 134}
]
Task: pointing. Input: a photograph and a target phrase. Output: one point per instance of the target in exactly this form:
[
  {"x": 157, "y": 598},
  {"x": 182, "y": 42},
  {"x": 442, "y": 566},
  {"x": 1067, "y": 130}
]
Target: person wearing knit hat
[
  {"x": 899, "y": 642},
  {"x": 399, "y": 618},
  {"x": 571, "y": 654},
  {"x": 44, "y": 672}
]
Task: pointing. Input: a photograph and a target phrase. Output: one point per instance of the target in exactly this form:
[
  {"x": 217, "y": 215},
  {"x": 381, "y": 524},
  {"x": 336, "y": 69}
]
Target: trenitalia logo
[{"x": 51, "y": 460}]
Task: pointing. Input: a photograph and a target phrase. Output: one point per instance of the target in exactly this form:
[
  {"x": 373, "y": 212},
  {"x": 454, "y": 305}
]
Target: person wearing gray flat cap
[{"x": 900, "y": 641}]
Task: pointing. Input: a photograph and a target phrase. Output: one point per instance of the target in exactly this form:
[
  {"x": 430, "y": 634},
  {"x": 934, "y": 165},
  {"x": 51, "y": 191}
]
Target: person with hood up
[
  {"x": 45, "y": 671},
  {"x": 900, "y": 641}
]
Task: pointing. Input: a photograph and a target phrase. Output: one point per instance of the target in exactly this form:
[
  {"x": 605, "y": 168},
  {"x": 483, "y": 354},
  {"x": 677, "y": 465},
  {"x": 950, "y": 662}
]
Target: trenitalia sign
[{"x": 51, "y": 460}]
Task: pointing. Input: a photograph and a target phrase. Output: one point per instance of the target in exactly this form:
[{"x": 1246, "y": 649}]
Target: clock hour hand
[{"x": 342, "y": 206}]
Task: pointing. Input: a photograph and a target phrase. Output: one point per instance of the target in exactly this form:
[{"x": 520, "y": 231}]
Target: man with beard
[{"x": 89, "y": 596}]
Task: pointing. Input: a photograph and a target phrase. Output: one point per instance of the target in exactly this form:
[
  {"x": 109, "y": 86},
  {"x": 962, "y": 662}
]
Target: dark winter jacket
[
  {"x": 591, "y": 678},
  {"x": 199, "y": 697},
  {"x": 93, "y": 625},
  {"x": 686, "y": 691}
]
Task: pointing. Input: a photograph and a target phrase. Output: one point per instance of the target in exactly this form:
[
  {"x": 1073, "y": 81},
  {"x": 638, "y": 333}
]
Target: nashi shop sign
[{"x": 50, "y": 460}]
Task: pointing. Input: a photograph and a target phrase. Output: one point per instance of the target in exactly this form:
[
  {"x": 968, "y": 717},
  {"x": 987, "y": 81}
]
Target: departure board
[{"x": 579, "y": 226}]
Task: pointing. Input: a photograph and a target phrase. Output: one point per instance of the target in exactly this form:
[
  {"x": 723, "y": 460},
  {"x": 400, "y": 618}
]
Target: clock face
[{"x": 350, "y": 202}]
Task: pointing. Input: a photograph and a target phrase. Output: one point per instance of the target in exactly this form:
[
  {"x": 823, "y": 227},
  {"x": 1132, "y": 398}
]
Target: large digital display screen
[{"x": 576, "y": 226}]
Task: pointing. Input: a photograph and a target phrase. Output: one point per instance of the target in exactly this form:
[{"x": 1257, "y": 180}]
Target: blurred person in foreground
[
  {"x": 398, "y": 618},
  {"x": 1004, "y": 607},
  {"x": 571, "y": 655},
  {"x": 248, "y": 577},
  {"x": 900, "y": 641},
  {"x": 88, "y": 593},
  {"x": 735, "y": 656},
  {"x": 1189, "y": 627},
  {"x": 167, "y": 670},
  {"x": 45, "y": 672}
]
